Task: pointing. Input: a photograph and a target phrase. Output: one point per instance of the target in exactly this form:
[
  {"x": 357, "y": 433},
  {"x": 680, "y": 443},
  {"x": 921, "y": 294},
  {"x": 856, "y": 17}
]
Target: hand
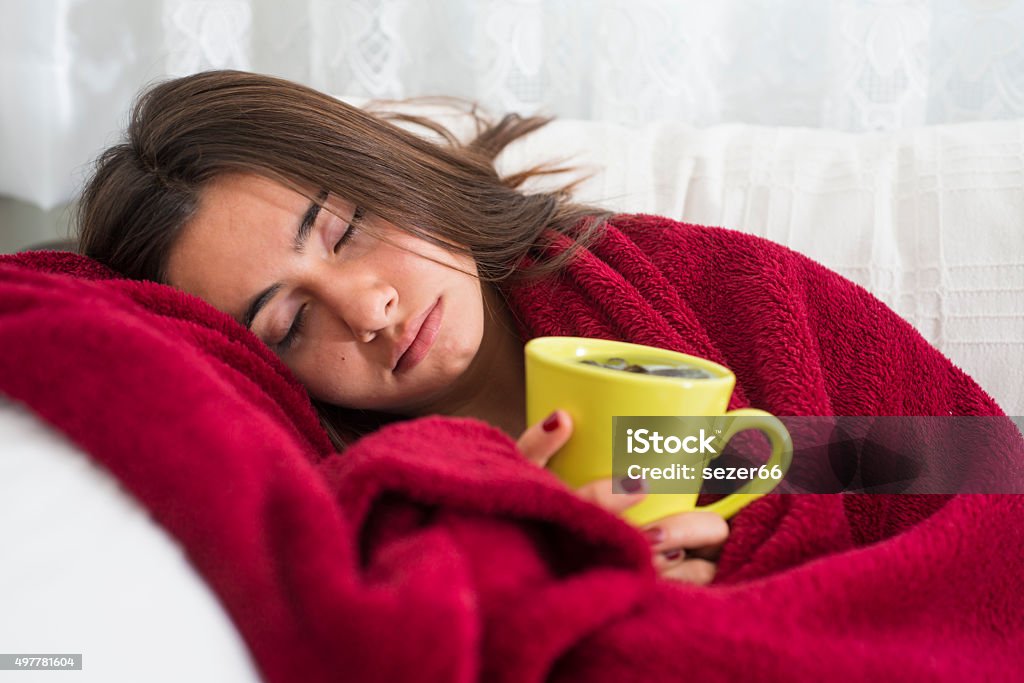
[{"x": 684, "y": 546}]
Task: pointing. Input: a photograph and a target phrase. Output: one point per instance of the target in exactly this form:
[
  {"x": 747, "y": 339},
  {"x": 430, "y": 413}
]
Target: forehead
[{"x": 237, "y": 240}]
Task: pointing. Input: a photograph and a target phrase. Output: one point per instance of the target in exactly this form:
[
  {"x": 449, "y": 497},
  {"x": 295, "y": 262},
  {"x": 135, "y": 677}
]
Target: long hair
[{"x": 185, "y": 132}]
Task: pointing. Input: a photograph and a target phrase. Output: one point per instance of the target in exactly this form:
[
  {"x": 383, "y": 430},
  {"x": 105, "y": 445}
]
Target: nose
[{"x": 366, "y": 303}]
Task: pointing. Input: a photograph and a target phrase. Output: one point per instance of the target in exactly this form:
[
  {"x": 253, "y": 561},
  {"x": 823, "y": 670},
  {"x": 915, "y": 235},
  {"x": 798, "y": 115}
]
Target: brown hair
[{"x": 185, "y": 132}]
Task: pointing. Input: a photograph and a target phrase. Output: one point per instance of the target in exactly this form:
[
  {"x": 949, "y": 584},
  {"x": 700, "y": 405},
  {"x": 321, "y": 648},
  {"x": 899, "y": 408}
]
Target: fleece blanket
[{"x": 430, "y": 550}]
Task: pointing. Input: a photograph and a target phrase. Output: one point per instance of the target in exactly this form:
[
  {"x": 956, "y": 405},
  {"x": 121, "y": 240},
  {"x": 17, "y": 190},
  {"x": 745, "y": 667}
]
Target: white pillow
[{"x": 86, "y": 571}]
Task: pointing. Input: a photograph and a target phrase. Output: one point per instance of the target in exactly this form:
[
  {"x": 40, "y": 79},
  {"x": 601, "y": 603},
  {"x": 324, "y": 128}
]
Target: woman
[{"x": 379, "y": 266}]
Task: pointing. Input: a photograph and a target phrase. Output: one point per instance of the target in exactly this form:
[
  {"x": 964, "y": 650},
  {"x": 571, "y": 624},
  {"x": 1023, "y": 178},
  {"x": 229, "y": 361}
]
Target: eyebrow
[{"x": 298, "y": 245}]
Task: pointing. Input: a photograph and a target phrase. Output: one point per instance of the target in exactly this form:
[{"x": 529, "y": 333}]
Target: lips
[{"x": 418, "y": 341}]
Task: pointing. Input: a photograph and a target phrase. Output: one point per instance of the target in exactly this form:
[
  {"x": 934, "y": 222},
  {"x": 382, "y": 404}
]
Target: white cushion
[{"x": 86, "y": 571}]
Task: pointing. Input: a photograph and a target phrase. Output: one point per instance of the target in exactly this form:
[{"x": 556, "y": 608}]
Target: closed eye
[
  {"x": 293, "y": 331},
  {"x": 350, "y": 230}
]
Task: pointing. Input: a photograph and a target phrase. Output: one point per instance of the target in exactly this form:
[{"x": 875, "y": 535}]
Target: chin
[{"x": 433, "y": 392}]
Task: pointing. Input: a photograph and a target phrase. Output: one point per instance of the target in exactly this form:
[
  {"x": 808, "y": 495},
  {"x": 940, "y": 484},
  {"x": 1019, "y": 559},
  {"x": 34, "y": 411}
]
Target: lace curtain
[{"x": 71, "y": 67}]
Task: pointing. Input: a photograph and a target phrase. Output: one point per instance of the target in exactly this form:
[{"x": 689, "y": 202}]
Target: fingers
[
  {"x": 687, "y": 531},
  {"x": 711, "y": 552},
  {"x": 685, "y": 546},
  {"x": 540, "y": 441},
  {"x": 600, "y": 493},
  {"x": 700, "y": 572}
]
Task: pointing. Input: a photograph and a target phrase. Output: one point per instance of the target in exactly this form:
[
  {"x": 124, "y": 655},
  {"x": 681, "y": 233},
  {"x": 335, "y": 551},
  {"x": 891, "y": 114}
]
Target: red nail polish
[
  {"x": 654, "y": 536},
  {"x": 630, "y": 485},
  {"x": 551, "y": 423},
  {"x": 673, "y": 555}
]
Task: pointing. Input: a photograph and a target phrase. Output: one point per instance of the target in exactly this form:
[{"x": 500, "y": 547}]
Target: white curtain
[{"x": 69, "y": 68}]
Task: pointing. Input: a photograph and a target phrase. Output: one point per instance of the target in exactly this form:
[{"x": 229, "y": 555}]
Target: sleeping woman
[{"x": 398, "y": 277}]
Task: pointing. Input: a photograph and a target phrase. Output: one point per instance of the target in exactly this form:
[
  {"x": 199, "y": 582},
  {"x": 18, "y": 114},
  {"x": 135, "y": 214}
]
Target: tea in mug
[{"x": 658, "y": 369}]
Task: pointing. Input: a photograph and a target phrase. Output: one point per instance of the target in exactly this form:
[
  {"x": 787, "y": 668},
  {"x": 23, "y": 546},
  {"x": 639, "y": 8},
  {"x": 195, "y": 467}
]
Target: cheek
[
  {"x": 468, "y": 323},
  {"x": 327, "y": 374},
  {"x": 317, "y": 384}
]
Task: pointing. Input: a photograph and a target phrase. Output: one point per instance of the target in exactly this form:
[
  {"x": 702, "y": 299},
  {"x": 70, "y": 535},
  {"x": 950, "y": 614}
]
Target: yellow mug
[{"x": 558, "y": 378}]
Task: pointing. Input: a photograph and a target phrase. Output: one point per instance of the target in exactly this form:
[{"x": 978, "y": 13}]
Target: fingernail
[
  {"x": 551, "y": 423},
  {"x": 673, "y": 555},
  {"x": 630, "y": 485},
  {"x": 654, "y": 535}
]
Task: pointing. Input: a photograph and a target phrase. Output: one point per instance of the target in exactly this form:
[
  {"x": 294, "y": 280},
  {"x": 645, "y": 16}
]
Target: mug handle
[{"x": 782, "y": 455}]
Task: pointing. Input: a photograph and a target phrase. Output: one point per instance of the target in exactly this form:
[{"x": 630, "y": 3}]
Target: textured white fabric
[
  {"x": 929, "y": 220},
  {"x": 69, "y": 68},
  {"x": 84, "y": 570}
]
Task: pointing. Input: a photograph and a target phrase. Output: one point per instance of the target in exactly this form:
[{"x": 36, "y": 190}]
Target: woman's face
[{"x": 386, "y": 321}]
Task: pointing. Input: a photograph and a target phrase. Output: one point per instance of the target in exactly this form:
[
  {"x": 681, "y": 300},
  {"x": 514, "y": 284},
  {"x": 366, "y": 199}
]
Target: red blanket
[{"x": 431, "y": 551}]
